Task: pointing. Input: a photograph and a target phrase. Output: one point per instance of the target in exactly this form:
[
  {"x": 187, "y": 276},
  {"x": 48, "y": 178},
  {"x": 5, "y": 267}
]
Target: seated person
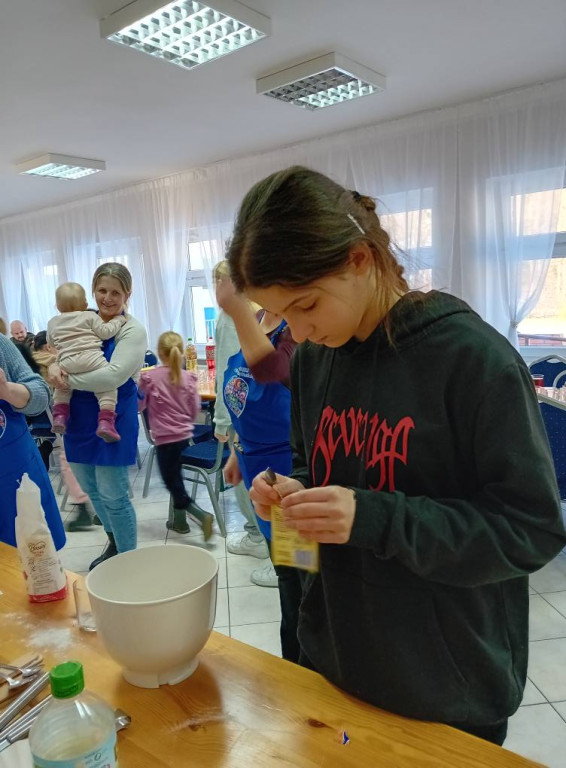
[
  {"x": 20, "y": 333},
  {"x": 77, "y": 334}
]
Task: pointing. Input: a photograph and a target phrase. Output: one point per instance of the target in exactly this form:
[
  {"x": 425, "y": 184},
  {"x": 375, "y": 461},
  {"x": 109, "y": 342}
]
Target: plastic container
[
  {"x": 211, "y": 355},
  {"x": 43, "y": 572},
  {"x": 191, "y": 356},
  {"x": 77, "y": 728}
]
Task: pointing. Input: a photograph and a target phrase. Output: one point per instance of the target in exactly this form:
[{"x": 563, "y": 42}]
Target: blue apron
[
  {"x": 261, "y": 416},
  {"x": 81, "y": 443},
  {"x": 19, "y": 454}
]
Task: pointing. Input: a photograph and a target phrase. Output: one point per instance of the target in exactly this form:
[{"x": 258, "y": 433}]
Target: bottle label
[{"x": 103, "y": 757}]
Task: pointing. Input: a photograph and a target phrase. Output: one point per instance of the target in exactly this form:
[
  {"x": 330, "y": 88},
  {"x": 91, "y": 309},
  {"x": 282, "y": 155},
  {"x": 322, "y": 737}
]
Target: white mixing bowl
[{"x": 154, "y": 609}]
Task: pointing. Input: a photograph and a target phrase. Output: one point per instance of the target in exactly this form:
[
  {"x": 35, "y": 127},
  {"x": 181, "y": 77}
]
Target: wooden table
[{"x": 242, "y": 708}]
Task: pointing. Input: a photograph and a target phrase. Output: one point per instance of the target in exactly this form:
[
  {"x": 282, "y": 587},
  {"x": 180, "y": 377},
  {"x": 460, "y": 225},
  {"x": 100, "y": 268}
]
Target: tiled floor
[{"x": 251, "y": 614}]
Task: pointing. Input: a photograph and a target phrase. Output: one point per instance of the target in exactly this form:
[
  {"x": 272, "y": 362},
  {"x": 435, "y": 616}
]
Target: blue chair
[
  {"x": 201, "y": 433},
  {"x": 550, "y": 367},
  {"x": 150, "y": 358},
  {"x": 554, "y": 417},
  {"x": 206, "y": 460}
]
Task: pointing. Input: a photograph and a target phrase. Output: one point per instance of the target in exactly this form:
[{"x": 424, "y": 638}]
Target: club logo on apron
[
  {"x": 236, "y": 393},
  {"x": 2, "y": 423}
]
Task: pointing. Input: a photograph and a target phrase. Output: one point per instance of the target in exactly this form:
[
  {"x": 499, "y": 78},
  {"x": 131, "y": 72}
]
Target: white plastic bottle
[{"x": 77, "y": 728}]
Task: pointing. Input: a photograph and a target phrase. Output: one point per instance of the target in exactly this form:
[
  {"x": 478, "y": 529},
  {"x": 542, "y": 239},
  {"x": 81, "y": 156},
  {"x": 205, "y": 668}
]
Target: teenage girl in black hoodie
[{"x": 420, "y": 464}]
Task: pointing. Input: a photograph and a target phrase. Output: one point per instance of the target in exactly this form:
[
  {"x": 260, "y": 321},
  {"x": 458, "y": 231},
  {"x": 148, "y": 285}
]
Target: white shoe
[
  {"x": 265, "y": 577},
  {"x": 239, "y": 544}
]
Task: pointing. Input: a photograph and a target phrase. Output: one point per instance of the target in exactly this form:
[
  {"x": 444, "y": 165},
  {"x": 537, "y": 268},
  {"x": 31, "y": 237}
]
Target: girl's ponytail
[{"x": 170, "y": 351}]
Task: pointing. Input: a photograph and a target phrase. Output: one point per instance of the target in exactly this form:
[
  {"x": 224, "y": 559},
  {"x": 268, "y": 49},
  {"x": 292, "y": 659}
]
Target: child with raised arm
[{"x": 77, "y": 335}]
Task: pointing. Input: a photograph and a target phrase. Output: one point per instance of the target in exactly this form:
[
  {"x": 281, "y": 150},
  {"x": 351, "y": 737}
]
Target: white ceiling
[{"x": 64, "y": 89}]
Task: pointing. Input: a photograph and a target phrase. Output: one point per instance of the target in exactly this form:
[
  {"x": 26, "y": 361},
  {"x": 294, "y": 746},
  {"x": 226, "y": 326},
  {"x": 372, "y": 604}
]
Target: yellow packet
[{"x": 288, "y": 547}]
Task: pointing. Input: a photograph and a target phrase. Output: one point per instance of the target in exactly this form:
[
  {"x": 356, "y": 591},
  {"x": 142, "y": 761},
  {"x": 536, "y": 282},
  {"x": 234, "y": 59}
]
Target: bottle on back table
[{"x": 191, "y": 356}]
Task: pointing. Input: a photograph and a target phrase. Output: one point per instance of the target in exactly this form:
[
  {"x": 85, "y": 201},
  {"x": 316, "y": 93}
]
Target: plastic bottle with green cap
[{"x": 77, "y": 728}]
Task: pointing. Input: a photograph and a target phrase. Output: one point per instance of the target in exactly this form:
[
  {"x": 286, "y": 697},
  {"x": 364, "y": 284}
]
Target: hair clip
[{"x": 356, "y": 222}]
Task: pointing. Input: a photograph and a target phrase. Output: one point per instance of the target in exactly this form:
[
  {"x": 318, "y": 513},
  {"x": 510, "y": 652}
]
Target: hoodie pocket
[{"x": 384, "y": 646}]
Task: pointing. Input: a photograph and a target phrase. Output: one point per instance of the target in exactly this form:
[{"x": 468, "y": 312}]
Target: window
[
  {"x": 547, "y": 320},
  {"x": 407, "y": 218},
  {"x": 205, "y": 249}
]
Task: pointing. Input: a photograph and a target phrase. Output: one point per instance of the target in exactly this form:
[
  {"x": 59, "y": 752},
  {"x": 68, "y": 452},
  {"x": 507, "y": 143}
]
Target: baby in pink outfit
[{"x": 77, "y": 334}]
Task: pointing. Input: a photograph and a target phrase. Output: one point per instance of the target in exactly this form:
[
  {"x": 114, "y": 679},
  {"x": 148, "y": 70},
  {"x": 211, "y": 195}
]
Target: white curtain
[
  {"x": 511, "y": 170},
  {"x": 459, "y": 189}
]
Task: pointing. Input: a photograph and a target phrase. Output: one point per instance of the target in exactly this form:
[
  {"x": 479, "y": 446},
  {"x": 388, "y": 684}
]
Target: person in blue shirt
[{"x": 22, "y": 393}]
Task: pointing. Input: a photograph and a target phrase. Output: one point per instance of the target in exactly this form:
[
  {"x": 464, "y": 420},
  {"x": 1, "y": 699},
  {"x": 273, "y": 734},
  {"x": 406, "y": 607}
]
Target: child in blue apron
[
  {"x": 260, "y": 415},
  {"x": 22, "y": 392}
]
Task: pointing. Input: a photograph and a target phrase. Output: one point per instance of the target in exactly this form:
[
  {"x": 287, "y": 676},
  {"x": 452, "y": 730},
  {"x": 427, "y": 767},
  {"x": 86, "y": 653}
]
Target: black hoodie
[{"x": 425, "y": 611}]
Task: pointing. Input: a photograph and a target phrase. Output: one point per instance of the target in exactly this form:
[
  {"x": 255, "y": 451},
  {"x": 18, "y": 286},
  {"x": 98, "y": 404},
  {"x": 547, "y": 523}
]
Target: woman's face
[
  {"x": 109, "y": 297},
  {"x": 330, "y": 310}
]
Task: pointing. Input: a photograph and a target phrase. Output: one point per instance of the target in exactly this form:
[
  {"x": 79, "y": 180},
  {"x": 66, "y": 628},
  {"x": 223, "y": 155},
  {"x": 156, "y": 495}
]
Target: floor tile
[
  {"x": 545, "y": 622},
  {"x": 152, "y": 510},
  {"x": 532, "y": 591},
  {"x": 547, "y": 667},
  {"x": 264, "y": 636},
  {"x": 152, "y": 529},
  {"x": 223, "y": 630},
  {"x": 557, "y": 600},
  {"x": 222, "y": 615},
  {"x": 532, "y": 695},
  {"x": 254, "y": 605},
  {"x": 551, "y": 578},
  {"x": 240, "y": 568},
  {"x": 151, "y": 543},
  {"x": 79, "y": 558},
  {"x": 539, "y": 733},
  {"x": 214, "y": 545},
  {"x": 560, "y": 707},
  {"x": 94, "y": 536}
]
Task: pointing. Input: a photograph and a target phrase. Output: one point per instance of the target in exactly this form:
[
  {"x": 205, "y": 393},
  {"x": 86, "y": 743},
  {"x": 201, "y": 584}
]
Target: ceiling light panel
[
  {"x": 321, "y": 82},
  {"x": 60, "y": 166},
  {"x": 186, "y": 33}
]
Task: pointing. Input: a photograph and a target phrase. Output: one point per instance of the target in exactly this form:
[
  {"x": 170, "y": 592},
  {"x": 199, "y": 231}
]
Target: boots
[
  {"x": 61, "y": 413},
  {"x": 177, "y": 520},
  {"x": 82, "y": 521},
  {"x": 109, "y": 552},
  {"x": 204, "y": 518},
  {"x": 106, "y": 429}
]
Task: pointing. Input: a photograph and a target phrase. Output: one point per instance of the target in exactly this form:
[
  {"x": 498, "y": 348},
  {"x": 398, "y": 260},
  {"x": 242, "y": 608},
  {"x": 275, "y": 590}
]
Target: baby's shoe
[
  {"x": 60, "y": 414},
  {"x": 106, "y": 429}
]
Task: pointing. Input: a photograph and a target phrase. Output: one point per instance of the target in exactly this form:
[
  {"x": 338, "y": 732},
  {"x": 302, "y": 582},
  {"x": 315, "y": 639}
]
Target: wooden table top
[{"x": 242, "y": 708}]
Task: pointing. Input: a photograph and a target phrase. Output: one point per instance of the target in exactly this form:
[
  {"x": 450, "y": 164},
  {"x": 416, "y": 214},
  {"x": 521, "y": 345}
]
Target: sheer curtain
[
  {"x": 410, "y": 167},
  {"x": 511, "y": 164},
  {"x": 459, "y": 189}
]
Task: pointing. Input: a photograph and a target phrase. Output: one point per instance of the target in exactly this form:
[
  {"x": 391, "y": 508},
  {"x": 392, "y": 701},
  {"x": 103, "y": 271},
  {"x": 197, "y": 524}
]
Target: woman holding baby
[{"x": 101, "y": 467}]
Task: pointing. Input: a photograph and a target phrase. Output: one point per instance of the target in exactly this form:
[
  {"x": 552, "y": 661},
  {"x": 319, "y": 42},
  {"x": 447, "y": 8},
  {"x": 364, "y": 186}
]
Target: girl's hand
[
  {"x": 232, "y": 473},
  {"x": 325, "y": 514},
  {"x": 221, "y": 438},
  {"x": 264, "y": 495},
  {"x": 228, "y": 299},
  {"x": 57, "y": 376}
]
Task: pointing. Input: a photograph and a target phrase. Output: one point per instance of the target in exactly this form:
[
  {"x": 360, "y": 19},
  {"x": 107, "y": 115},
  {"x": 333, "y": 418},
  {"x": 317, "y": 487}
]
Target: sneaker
[
  {"x": 239, "y": 544},
  {"x": 265, "y": 577}
]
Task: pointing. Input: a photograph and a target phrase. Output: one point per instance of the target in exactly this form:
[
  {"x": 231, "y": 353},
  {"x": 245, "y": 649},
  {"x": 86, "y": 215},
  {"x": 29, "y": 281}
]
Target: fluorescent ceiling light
[
  {"x": 321, "y": 82},
  {"x": 60, "y": 166},
  {"x": 186, "y": 33}
]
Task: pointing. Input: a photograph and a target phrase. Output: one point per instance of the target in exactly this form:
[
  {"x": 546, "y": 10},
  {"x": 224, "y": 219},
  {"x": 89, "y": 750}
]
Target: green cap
[{"x": 67, "y": 679}]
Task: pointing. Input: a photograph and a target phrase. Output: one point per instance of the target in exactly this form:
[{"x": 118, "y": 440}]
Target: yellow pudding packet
[{"x": 288, "y": 547}]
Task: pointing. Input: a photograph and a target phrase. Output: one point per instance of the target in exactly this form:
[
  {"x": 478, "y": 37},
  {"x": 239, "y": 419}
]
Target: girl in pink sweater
[{"x": 172, "y": 403}]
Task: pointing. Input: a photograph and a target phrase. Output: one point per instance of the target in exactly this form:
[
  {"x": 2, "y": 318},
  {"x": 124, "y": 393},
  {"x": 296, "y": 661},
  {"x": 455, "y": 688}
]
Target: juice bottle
[
  {"x": 211, "y": 356},
  {"x": 76, "y": 728},
  {"x": 191, "y": 356}
]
